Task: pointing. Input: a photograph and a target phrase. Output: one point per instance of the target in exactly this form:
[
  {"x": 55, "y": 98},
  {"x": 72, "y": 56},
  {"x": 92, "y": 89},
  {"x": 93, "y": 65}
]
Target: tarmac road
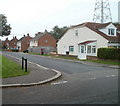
[{"x": 79, "y": 84}]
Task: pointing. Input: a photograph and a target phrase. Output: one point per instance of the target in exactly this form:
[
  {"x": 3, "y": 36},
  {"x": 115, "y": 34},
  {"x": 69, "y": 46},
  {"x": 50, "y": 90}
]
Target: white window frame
[
  {"x": 82, "y": 48},
  {"x": 93, "y": 48},
  {"x": 111, "y": 31},
  {"x": 71, "y": 47},
  {"x": 89, "y": 49}
]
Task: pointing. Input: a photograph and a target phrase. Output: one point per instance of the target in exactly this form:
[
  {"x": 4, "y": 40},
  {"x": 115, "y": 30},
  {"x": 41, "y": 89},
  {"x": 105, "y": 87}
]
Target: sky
[{"x": 32, "y": 16}]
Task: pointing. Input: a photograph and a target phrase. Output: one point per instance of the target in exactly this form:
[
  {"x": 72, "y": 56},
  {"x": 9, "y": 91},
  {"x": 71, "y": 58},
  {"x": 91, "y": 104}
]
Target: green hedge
[{"x": 109, "y": 53}]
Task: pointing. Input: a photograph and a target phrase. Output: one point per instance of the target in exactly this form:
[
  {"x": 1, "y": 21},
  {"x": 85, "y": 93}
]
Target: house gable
[
  {"x": 84, "y": 34},
  {"x": 47, "y": 40}
]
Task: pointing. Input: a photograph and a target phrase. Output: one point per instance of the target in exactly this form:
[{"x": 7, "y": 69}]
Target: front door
[{"x": 82, "y": 52}]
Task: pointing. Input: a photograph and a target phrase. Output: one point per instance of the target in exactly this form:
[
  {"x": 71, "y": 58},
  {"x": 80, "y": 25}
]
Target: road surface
[{"x": 79, "y": 84}]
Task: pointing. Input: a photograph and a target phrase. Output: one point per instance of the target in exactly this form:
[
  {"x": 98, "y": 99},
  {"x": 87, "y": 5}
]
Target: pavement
[{"x": 38, "y": 75}]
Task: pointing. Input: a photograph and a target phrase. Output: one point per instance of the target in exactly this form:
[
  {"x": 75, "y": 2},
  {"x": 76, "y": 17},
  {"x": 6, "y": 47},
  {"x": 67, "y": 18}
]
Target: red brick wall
[
  {"x": 25, "y": 43},
  {"x": 4, "y": 43},
  {"x": 47, "y": 40},
  {"x": 92, "y": 58},
  {"x": 13, "y": 43}
]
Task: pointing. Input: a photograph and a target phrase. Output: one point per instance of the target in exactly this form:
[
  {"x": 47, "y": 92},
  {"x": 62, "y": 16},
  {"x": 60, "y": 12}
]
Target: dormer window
[{"x": 111, "y": 31}]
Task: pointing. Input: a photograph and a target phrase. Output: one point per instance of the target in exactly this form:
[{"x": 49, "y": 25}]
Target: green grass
[
  {"x": 10, "y": 68},
  {"x": 74, "y": 58},
  {"x": 105, "y": 62}
]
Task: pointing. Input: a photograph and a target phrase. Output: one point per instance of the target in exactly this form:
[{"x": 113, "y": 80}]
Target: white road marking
[
  {"x": 61, "y": 82},
  {"x": 110, "y": 75},
  {"x": 113, "y": 75},
  {"x": 42, "y": 67}
]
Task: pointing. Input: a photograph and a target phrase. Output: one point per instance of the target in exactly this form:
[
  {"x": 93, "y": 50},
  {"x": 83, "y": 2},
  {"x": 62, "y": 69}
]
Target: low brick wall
[
  {"x": 67, "y": 55},
  {"x": 92, "y": 58},
  {"x": 96, "y": 58}
]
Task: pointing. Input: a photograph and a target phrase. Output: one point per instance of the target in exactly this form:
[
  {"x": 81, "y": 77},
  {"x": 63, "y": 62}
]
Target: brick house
[
  {"x": 24, "y": 43},
  {"x": 6, "y": 44},
  {"x": 43, "y": 41},
  {"x": 13, "y": 43}
]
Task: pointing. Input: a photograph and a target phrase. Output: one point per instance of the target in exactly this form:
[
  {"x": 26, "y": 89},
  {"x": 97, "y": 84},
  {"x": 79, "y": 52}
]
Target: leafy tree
[
  {"x": 116, "y": 23},
  {"x": 5, "y": 29},
  {"x": 0, "y": 44},
  {"x": 58, "y": 32}
]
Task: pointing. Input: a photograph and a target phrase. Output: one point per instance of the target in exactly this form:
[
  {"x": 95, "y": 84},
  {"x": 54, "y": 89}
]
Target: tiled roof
[
  {"x": 118, "y": 27},
  {"x": 37, "y": 36},
  {"x": 87, "y": 42},
  {"x": 96, "y": 26},
  {"x": 23, "y": 38}
]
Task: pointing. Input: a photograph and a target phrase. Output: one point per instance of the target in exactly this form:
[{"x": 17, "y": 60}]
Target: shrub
[{"x": 109, "y": 53}]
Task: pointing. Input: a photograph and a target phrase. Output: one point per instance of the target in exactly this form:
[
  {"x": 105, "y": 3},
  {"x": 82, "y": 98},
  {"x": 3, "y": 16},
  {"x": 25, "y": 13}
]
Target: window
[
  {"x": 82, "y": 49},
  {"x": 111, "y": 31},
  {"x": 46, "y": 41},
  {"x": 89, "y": 49},
  {"x": 76, "y": 32},
  {"x": 71, "y": 48},
  {"x": 94, "y": 49}
]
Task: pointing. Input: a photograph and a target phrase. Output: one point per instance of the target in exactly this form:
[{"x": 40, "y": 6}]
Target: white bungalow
[{"x": 84, "y": 39}]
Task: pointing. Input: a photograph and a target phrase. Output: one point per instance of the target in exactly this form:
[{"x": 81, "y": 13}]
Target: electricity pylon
[{"x": 102, "y": 11}]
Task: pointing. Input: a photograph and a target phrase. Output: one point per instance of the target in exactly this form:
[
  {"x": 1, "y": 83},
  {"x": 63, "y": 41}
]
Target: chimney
[
  {"x": 28, "y": 34},
  {"x": 23, "y": 35},
  {"x": 39, "y": 32},
  {"x": 46, "y": 31}
]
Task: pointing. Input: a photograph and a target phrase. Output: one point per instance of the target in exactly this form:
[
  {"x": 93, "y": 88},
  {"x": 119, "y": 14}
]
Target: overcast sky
[{"x": 32, "y": 16}]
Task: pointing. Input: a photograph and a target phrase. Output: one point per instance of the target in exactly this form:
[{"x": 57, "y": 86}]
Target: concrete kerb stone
[
  {"x": 58, "y": 74},
  {"x": 88, "y": 63}
]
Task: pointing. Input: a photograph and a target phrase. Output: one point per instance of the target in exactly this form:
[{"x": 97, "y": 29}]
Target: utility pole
[{"x": 102, "y": 11}]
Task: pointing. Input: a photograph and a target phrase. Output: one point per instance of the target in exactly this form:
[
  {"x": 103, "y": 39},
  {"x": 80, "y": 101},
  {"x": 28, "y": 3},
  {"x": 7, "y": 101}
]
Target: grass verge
[
  {"x": 105, "y": 62},
  {"x": 10, "y": 68},
  {"x": 74, "y": 58}
]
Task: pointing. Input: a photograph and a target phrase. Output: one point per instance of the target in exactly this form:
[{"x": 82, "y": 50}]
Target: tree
[
  {"x": 116, "y": 23},
  {"x": 5, "y": 29},
  {"x": 58, "y": 32}
]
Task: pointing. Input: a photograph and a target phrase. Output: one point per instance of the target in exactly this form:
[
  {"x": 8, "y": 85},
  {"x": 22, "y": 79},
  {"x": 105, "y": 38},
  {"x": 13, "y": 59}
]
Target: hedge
[{"x": 109, "y": 53}]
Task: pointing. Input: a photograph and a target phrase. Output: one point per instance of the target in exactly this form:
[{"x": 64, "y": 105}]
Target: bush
[{"x": 109, "y": 53}]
